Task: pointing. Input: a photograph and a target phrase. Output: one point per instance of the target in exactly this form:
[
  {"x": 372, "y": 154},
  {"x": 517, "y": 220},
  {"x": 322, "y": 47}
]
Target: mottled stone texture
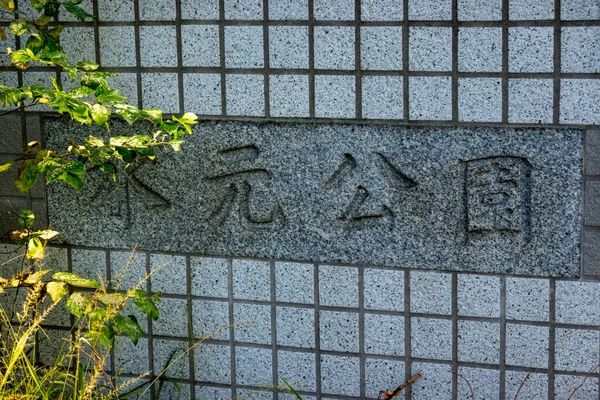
[{"x": 493, "y": 200}]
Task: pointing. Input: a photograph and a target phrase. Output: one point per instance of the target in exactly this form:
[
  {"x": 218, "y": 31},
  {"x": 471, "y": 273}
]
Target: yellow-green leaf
[
  {"x": 36, "y": 277},
  {"x": 75, "y": 280},
  {"x": 35, "y": 249},
  {"x": 6, "y": 166},
  {"x": 112, "y": 299},
  {"x": 57, "y": 290},
  {"x": 47, "y": 234}
]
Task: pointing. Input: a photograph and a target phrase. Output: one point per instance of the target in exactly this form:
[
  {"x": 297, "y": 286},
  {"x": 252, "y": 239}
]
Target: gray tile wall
[{"x": 350, "y": 331}]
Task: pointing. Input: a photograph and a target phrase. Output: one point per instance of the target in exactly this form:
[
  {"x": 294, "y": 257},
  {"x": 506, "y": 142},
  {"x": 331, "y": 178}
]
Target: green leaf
[
  {"x": 144, "y": 303},
  {"x": 96, "y": 317},
  {"x": 77, "y": 304},
  {"x": 154, "y": 114},
  {"x": 34, "y": 43},
  {"x": 111, "y": 299},
  {"x": 128, "y": 325},
  {"x": 6, "y": 166},
  {"x": 176, "y": 144},
  {"x": 37, "y": 5},
  {"x": 78, "y": 12},
  {"x": 100, "y": 114},
  {"x": 112, "y": 96},
  {"x": 129, "y": 113},
  {"x": 3, "y": 34},
  {"x": 75, "y": 280},
  {"x": 26, "y": 218},
  {"x": 7, "y": 4},
  {"x": 27, "y": 175},
  {"x": 87, "y": 66},
  {"x": 106, "y": 337},
  {"x": 57, "y": 290},
  {"x": 17, "y": 27},
  {"x": 125, "y": 154},
  {"x": 35, "y": 249}
]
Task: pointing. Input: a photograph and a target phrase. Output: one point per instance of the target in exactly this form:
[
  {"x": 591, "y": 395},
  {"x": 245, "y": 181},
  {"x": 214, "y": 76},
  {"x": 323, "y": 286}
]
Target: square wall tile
[
  {"x": 381, "y": 47},
  {"x": 244, "y": 47},
  {"x": 296, "y": 327},
  {"x": 212, "y": 363},
  {"x": 115, "y": 10},
  {"x": 527, "y": 299},
  {"x": 580, "y": 49},
  {"x": 480, "y": 99},
  {"x": 127, "y": 84},
  {"x": 298, "y": 369},
  {"x": 166, "y": 353},
  {"x": 576, "y": 350},
  {"x": 331, "y": 278},
  {"x": 430, "y": 292},
  {"x": 342, "y": 10},
  {"x": 202, "y": 93},
  {"x": 430, "y": 98},
  {"x": 433, "y": 10},
  {"x": 579, "y": 101},
  {"x": 565, "y": 384},
  {"x": 89, "y": 263},
  {"x": 591, "y": 253},
  {"x": 244, "y": 10},
  {"x": 251, "y": 280},
  {"x": 382, "y": 10},
  {"x": 384, "y": 334},
  {"x": 339, "y": 331},
  {"x": 530, "y": 9},
  {"x": 476, "y": 10},
  {"x": 430, "y": 49},
  {"x": 536, "y": 386},
  {"x": 161, "y": 90},
  {"x": 485, "y": 383},
  {"x": 435, "y": 383},
  {"x": 245, "y": 94},
  {"x": 131, "y": 358},
  {"x": 479, "y": 49},
  {"x": 152, "y": 55},
  {"x": 288, "y": 9},
  {"x": 77, "y": 42},
  {"x": 382, "y": 97},
  {"x": 579, "y": 9},
  {"x": 340, "y": 375},
  {"x": 117, "y": 46},
  {"x": 11, "y": 140},
  {"x": 210, "y": 318},
  {"x": 157, "y": 10},
  {"x": 335, "y": 96},
  {"x": 213, "y": 393},
  {"x": 382, "y": 375},
  {"x": 173, "y": 319},
  {"x": 200, "y": 9},
  {"x": 289, "y": 96},
  {"x": 253, "y": 366},
  {"x": 288, "y": 47},
  {"x": 527, "y": 346},
  {"x": 431, "y": 338},
  {"x": 479, "y": 342},
  {"x": 383, "y": 289},
  {"x": 295, "y": 282},
  {"x": 531, "y": 49},
  {"x": 592, "y": 152},
  {"x": 530, "y": 100},
  {"x": 200, "y": 46},
  {"x": 334, "y": 47},
  {"x": 257, "y": 328},
  {"x": 209, "y": 277},
  {"x": 127, "y": 269},
  {"x": 479, "y": 295},
  {"x": 168, "y": 274},
  {"x": 578, "y": 302}
]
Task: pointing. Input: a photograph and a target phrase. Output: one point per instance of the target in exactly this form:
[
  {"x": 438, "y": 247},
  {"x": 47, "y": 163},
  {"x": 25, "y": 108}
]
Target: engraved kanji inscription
[
  {"x": 239, "y": 193},
  {"x": 120, "y": 194},
  {"x": 497, "y": 195},
  {"x": 355, "y": 214}
]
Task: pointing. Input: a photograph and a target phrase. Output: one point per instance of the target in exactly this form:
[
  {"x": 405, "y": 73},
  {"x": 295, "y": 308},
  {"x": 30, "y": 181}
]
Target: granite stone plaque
[{"x": 471, "y": 199}]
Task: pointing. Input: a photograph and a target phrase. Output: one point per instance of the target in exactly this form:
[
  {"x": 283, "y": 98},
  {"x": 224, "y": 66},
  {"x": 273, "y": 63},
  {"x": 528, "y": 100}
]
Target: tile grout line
[
  {"x": 405, "y": 67},
  {"x": 407, "y": 334},
  {"x": 179, "y": 41},
  {"x": 454, "y": 311},
  {"x": 311, "y": 59},
  {"x": 138, "y": 56},
  {"x": 502, "y": 377},
  {"x": 275, "y": 355},
  {"x": 190, "y": 321},
  {"x": 222, "y": 66},
  {"x": 505, "y": 51},
  {"x": 267, "y": 61},
  {"x": 551, "y": 338},
  {"x": 454, "y": 89},
  {"x": 231, "y": 323},
  {"x": 317, "y": 330},
  {"x": 357, "y": 60},
  {"x": 107, "y": 256},
  {"x": 149, "y": 323},
  {"x": 557, "y": 62},
  {"x": 361, "y": 331},
  {"x": 96, "y": 13}
]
